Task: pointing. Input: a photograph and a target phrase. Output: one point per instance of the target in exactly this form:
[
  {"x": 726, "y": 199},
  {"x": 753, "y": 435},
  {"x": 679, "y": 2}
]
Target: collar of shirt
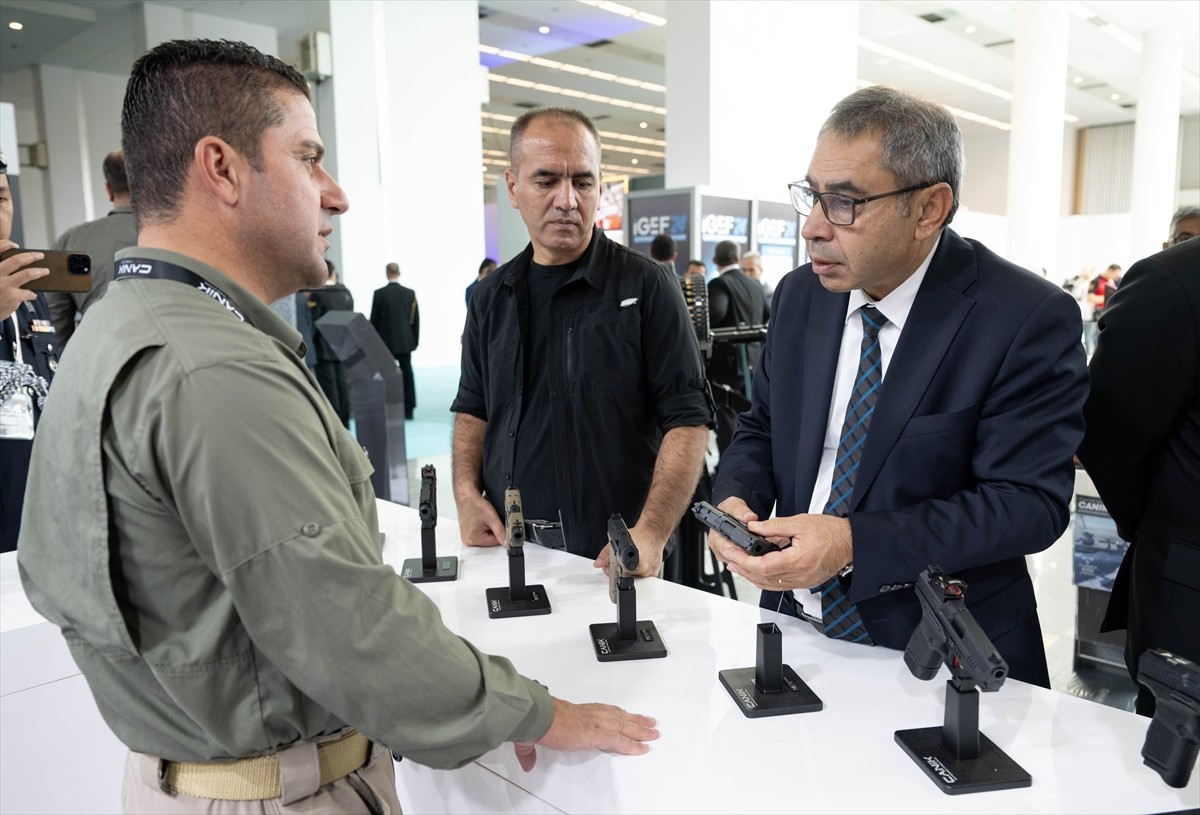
[
  {"x": 725, "y": 269},
  {"x": 897, "y": 304},
  {"x": 259, "y": 314},
  {"x": 592, "y": 273}
]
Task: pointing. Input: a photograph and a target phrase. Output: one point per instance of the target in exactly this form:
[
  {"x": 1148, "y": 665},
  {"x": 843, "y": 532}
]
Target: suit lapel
[
  {"x": 937, "y": 315},
  {"x": 822, "y": 343}
]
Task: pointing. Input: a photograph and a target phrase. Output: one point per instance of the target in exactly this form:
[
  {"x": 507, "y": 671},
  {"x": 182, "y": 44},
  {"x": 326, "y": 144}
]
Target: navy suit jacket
[{"x": 968, "y": 461}]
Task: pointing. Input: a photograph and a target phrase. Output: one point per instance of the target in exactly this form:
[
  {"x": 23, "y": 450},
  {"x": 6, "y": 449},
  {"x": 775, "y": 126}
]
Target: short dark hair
[
  {"x": 393, "y": 269},
  {"x": 527, "y": 118},
  {"x": 488, "y": 263},
  {"x": 662, "y": 247},
  {"x": 725, "y": 253},
  {"x": 183, "y": 90},
  {"x": 114, "y": 173},
  {"x": 919, "y": 140}
]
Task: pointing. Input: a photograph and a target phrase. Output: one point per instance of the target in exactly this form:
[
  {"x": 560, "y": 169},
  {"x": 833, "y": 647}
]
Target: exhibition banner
[
  {"x": 723, "y": 219},
  {"x": 654, "y": 215},
  {"x": 777, "y": 234}
]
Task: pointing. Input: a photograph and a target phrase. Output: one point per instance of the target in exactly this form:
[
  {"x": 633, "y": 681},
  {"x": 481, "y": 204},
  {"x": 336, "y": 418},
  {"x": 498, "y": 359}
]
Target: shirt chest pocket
[{"x": 603, "y": 349}]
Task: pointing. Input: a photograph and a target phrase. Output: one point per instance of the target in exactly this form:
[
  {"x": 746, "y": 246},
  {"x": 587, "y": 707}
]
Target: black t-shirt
[{"x": 533, "y": 465}]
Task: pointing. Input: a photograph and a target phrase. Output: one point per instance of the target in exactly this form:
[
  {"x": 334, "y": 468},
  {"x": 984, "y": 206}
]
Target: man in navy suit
[{"x": 959, "y": 453}]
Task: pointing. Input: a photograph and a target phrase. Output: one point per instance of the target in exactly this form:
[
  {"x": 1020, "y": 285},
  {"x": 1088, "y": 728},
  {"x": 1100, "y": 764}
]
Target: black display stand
[
  {"x": 770, "y": 688},
  {"x": 956, "y": 755},
  {"x": 516, "y": 599},
  {"x": 429, "y": 568},
  {"x": 628, "y": 637}
]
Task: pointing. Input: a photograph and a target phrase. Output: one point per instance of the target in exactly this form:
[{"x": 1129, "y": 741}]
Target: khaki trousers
[{"x": 369, "y": 790}]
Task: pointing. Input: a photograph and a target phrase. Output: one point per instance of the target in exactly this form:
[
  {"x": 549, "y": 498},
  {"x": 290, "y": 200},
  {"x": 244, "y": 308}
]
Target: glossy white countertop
[{"x": 1084, "y": 757}]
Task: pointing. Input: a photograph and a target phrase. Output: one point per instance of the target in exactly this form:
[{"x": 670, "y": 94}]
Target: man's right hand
[
  {"x": 591, "y": 727},
  {"x": 478, "y": 523},
  {"x": 13, "y": 277}
]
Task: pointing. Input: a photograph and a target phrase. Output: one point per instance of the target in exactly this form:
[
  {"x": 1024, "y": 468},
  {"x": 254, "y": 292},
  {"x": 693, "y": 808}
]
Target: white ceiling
[{"x": 99, "y": 35}]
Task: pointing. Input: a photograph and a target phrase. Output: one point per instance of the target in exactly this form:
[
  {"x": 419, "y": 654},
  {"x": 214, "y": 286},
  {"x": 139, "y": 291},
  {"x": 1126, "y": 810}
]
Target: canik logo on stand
[{"x": 940, "y": 768}]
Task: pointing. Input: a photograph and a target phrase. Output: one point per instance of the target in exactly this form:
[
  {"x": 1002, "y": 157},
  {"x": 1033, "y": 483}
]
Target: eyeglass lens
[{"x": 839, "y": 209}]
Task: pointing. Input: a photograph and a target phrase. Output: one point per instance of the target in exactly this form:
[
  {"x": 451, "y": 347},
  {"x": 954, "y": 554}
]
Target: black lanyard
[{"x": 144, "y": 268}]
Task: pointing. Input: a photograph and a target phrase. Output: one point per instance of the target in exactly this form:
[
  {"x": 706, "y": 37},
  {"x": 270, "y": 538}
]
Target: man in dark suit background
[
  {"x": 734, "y": 301},
  {"x": 331, "y": 374},
  {"x": 1142, "y": 450},
  {"x": 396, "y": 317},
  {"x": 970, "y": 397}
]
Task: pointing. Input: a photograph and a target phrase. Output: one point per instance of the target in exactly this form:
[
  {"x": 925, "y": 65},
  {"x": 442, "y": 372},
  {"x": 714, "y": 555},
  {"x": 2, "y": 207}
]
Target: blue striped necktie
[{"x": 839, "y": 617}]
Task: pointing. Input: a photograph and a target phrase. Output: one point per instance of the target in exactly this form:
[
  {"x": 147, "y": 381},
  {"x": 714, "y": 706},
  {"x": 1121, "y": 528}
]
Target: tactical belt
[{"x": 256, "y": 778}]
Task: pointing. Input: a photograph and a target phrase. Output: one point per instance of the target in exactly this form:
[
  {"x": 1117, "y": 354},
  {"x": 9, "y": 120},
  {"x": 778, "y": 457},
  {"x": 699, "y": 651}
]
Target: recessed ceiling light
[
  {"x": 633, "y": 161},
  {"x": 643, "y": 125},
  {"x": 970, "y": 29},
  {"x": 626, "y": 11},
  {"x": 15, "y": 26},
  {"x": 1077, "y": 80},
  {"x": 1115, "y": 97},
  {"x": 544, "y": 29}
]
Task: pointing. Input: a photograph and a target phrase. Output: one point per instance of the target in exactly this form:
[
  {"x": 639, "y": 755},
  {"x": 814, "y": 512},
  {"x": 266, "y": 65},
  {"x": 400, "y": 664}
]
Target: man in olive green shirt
[{"x": 216, "y": 569}]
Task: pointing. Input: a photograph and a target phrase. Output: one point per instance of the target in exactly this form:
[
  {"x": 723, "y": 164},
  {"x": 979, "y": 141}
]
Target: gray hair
[
  {"x": 919, "y": 140},
  {"x": 1182, "y": 214}
]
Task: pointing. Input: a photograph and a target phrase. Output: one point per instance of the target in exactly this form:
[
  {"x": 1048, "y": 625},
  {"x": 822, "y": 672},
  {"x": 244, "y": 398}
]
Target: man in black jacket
[
  {"x": 1142, "y": 450},
  {"x": 396, "y": 317},
  {"x": 581, "y": 378}
]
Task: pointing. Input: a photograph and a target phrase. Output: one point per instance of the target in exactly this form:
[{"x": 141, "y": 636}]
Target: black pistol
[
  {"x": 732, "y": 528},
  {"x": 949, "y": 634},
  {"x": 624, "y": 558},
  {"x": 428, "y": 504},
  {"x": 1174, "y": 734}
]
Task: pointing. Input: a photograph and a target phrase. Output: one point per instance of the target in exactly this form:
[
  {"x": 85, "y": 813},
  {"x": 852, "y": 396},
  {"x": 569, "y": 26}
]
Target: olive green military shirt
[{"x": 203, "y": 529}]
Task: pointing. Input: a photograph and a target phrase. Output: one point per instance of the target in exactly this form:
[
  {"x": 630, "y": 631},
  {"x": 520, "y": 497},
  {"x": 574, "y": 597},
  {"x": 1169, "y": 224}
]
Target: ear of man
[
  {"x": 220, "y": 170},
  {"x": 932, "y": 205}
]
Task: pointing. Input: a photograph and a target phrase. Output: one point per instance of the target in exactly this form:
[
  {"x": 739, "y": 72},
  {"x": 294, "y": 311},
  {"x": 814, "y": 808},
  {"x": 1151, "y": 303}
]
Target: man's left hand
[
  {"x": 821, "y": 546},
  {"x": 650, "y": 553}
]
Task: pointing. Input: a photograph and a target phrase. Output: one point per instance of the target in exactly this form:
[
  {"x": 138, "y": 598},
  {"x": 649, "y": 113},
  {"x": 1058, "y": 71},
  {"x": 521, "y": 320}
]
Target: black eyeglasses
[{"x": 839, "y": 209}]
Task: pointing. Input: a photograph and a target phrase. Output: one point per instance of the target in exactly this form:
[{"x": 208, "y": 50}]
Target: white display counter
[{"x": 1084, "y": 757}]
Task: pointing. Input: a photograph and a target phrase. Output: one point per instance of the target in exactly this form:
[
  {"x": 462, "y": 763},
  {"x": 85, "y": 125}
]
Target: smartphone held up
[{"x": 69, "y": 271}]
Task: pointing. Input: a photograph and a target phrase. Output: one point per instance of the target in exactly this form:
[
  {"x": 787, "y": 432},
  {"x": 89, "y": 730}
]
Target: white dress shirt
[{"x": 896, "y": 307}]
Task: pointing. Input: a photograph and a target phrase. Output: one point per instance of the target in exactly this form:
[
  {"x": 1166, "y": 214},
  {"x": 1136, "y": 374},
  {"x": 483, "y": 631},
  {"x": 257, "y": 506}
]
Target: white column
[
  {"x": 1156, "y": 140},
  {"x": 748, "y": 85},
  {"x": 1036, "y": 141},
  {"x": 405, "y": 98},
  {"x": 69, "y": 195}
]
